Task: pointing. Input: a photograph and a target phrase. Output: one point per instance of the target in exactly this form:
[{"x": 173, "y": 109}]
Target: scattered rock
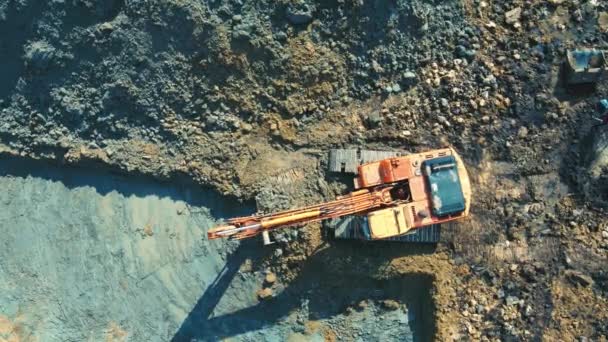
[
  {"x": 578, "y": 278},
  {"x": 242, "y": 32},
  {"x": 270, "y": 278},
  {"x": 522, "y": 132},
  {"x": 602, "y": 21},
  {"x": 511, "y": 300},
  {"x": 362, "y": 305},
  {"x": 444, "y": 120},
  {"x": 106, "y": 27},
  {"x": 39, "y": 55},
  {"x": 374, "y": 119},
  {"x": 299, "y": 13},
  {"x": 148, "y": 230},
  {"x": 463, "y": 52},
  {"x": 390, "y": 304},
  {"x": 265, "y": 293},
  {"x": 513, "y": 16},
  {"x": 246, "y": 127},
  {"x": 409, "y": 76},
  {"x": 500, "y": 294},
  {"x": 528, "y": 272}
]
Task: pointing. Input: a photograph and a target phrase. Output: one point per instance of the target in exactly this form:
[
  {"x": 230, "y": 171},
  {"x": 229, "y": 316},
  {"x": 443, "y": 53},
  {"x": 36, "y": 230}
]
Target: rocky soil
[{"x": 245, "y": 97}]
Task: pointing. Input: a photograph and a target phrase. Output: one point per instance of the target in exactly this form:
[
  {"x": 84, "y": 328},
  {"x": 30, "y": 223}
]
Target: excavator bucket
[{"x": 585, "y": 66}]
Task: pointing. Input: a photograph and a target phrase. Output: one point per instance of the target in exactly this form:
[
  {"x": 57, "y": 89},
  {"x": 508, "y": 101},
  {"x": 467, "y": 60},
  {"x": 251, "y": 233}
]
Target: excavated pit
[{"x": 90, "y": 255}]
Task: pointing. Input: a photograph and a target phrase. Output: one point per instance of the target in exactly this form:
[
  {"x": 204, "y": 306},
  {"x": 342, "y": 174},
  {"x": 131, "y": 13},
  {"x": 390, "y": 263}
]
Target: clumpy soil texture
[{"x": 245, "y": 97}]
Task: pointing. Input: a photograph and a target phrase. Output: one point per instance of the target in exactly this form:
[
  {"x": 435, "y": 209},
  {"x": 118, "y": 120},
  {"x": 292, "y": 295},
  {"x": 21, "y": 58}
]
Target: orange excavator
[{"x": 393, "y": 197}]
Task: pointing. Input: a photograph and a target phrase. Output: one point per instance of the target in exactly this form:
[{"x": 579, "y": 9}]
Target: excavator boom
[{"x": 356, "y": 202}]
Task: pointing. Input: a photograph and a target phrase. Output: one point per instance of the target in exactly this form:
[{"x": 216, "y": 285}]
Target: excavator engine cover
[{"x": 444, "y": 186}]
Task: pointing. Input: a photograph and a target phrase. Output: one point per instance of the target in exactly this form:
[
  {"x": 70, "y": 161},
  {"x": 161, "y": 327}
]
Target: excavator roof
[{"x": 444, "y": 185}]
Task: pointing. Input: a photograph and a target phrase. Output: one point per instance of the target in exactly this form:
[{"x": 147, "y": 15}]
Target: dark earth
[{"x": 242, "y": 99}]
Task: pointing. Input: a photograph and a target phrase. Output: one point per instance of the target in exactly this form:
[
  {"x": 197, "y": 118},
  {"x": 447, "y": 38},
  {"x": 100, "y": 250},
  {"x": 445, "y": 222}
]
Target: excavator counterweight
[{"x": 396, "y": 195}]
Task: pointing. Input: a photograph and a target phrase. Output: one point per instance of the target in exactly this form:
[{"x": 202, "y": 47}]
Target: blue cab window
[{"x": 444, "y": 185}]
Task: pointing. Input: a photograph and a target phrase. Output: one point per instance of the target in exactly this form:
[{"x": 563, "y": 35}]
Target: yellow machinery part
[
  {"x": 294, "y": 218},
  {"x": 387, "y": 222}
]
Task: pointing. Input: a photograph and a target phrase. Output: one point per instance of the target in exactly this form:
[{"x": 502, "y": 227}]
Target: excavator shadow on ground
[{"x": 331, "y": 280}]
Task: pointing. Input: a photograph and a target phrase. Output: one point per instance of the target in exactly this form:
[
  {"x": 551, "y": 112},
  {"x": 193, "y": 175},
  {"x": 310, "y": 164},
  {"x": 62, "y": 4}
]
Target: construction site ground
[{"x": 128, "y": 128}]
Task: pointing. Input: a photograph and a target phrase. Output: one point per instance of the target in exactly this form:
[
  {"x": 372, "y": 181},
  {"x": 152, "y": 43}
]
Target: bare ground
[{"x": 242, "y": 99}]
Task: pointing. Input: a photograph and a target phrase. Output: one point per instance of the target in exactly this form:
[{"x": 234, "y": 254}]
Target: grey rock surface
[
  {"x": 90, "y": 256},
  {"x": 87, "y": 255}
]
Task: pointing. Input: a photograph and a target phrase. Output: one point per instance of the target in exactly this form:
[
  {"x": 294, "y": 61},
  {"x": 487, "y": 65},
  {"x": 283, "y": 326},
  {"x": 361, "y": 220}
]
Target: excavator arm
[{"x": 356, "y": 202}]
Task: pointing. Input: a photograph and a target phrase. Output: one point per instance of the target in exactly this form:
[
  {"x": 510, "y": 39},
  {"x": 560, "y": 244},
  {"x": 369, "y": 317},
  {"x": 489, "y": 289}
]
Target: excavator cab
[{"x": 444, "y": 186}]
